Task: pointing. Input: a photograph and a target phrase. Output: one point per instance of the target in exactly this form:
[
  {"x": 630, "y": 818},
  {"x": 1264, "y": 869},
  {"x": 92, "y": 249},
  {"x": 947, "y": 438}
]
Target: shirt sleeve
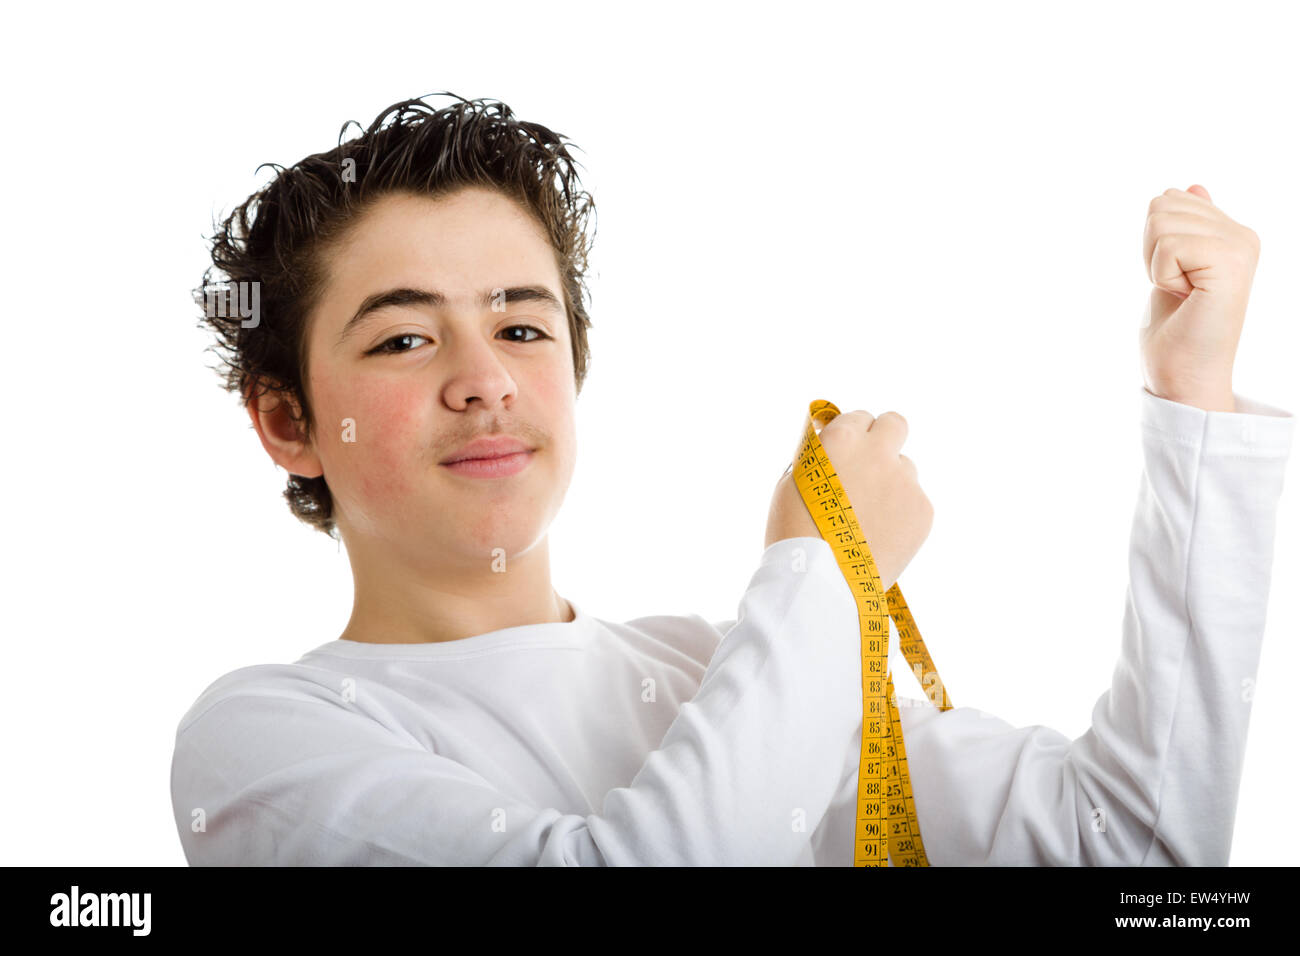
[
  {"x": 1154, "y": 780},
  {"x": 282, "y": 773}
]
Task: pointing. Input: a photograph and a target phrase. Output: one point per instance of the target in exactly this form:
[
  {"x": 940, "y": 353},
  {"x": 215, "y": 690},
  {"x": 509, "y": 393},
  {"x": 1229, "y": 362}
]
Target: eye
[
  {"x": 540, "y": 334},
  {"x": 383, "y": 347}
]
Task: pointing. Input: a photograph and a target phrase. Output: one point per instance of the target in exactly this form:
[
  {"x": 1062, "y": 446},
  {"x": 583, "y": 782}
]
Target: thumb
[{"x": 1199, "y": 190}]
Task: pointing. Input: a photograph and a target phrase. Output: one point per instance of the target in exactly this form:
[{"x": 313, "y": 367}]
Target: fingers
[
  {"x": 890, "y": 429},
  {"x": 888, "y": 433},
  {"x": 1169, "y": 222},
  {"x": 858, "y": 418},
  {"x": 1183, "y": 263},
  {"x": 1182, "y": 200},
  {"x": 1180, "y": 211}
]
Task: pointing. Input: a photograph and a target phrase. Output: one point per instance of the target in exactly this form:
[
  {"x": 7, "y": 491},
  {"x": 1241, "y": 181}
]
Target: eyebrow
[{"x": 437, "y": 300}]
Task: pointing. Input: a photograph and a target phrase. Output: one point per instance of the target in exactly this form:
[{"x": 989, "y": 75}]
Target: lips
[
  {"x": 487, "y": 448},
  {"x": 503, "y": 467}
]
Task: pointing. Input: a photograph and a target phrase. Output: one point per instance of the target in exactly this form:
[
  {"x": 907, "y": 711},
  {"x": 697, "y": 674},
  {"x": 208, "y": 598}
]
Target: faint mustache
[{"x": 532, "y": 437}]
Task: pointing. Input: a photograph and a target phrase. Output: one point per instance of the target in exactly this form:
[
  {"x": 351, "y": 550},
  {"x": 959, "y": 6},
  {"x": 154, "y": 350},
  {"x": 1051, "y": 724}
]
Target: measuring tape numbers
[{"x": 887, "y": 828}]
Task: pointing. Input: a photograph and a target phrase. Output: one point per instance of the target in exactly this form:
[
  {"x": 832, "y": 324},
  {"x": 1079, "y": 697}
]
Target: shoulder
[
  {"x": 674, "y": 638},
  {"x": 296, "y": 682}
]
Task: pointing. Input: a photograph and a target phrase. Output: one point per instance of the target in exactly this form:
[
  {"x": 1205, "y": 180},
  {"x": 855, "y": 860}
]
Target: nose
[{"x": 478, "y": 373}]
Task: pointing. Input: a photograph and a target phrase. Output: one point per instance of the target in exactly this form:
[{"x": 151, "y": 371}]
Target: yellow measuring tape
[{"x": 887, "y": 826}]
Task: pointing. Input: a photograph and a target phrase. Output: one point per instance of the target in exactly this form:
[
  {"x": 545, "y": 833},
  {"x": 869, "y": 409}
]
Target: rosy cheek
[
  {"x": 545, "y": 379},
  {"x": 386, "y": 442},
  {"x": 554, "y": 395}
]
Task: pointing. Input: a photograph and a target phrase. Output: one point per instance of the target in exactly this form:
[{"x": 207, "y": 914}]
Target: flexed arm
[{"x": 1154, "y": 780}]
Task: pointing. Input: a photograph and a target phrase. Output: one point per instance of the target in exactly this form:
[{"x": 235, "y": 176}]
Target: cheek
[
  {"x": 374, "y": 439},
  {"x": 553, "y": 396}
]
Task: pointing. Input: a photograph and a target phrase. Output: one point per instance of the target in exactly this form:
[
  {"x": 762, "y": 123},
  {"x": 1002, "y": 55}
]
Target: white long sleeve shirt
[{"x": 670, "y": 740}]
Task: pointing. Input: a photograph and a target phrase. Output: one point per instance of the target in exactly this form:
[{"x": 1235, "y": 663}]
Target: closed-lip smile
[{"x": 494, "y": 447}]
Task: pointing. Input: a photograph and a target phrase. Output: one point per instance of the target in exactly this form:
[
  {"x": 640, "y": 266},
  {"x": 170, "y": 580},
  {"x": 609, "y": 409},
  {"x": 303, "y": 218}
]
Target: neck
[{"x": 398, "y": 602}]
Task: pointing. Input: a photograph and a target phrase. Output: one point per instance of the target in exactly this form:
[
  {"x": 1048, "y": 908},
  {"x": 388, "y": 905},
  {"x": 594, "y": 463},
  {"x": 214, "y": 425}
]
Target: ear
[{"x": 273, "y": 414}]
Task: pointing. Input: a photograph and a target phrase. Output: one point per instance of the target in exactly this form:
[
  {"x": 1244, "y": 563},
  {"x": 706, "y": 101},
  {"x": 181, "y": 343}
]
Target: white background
[{"x": 935, "y": 209}]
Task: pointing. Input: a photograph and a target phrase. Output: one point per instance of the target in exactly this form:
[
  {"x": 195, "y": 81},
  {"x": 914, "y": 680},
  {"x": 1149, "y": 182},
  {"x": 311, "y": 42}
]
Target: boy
[{"x": 410, "y": 342}]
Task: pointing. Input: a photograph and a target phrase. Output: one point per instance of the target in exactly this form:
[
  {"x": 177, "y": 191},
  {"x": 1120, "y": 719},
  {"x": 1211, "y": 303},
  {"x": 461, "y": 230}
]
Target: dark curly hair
[{"x": 279, "y": 235}]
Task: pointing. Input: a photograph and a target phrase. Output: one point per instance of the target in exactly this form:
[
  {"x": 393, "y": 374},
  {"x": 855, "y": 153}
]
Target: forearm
[
  {"x": 1212, "y": 583},
  {"x": 1154, "y": 780}
]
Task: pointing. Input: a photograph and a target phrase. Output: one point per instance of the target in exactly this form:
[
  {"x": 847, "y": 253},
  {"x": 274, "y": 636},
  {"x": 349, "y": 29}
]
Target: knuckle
[
  {"x": 902, "y": 423},
  {"x": 848, "y": 423},
  {"x": 844, "y": 420},
  {"x": 1158, "y": 222}
]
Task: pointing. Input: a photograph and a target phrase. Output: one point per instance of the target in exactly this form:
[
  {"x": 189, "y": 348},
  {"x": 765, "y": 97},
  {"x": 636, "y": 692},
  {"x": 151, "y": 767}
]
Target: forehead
[{"x": 459, "y": 242}]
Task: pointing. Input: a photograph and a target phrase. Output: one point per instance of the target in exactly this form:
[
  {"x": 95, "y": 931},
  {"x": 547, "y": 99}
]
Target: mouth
[{"x": 499, "y": 466}]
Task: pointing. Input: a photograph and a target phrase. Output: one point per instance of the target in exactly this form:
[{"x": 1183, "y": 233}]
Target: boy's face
[{"x": 448, "y": 374}]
